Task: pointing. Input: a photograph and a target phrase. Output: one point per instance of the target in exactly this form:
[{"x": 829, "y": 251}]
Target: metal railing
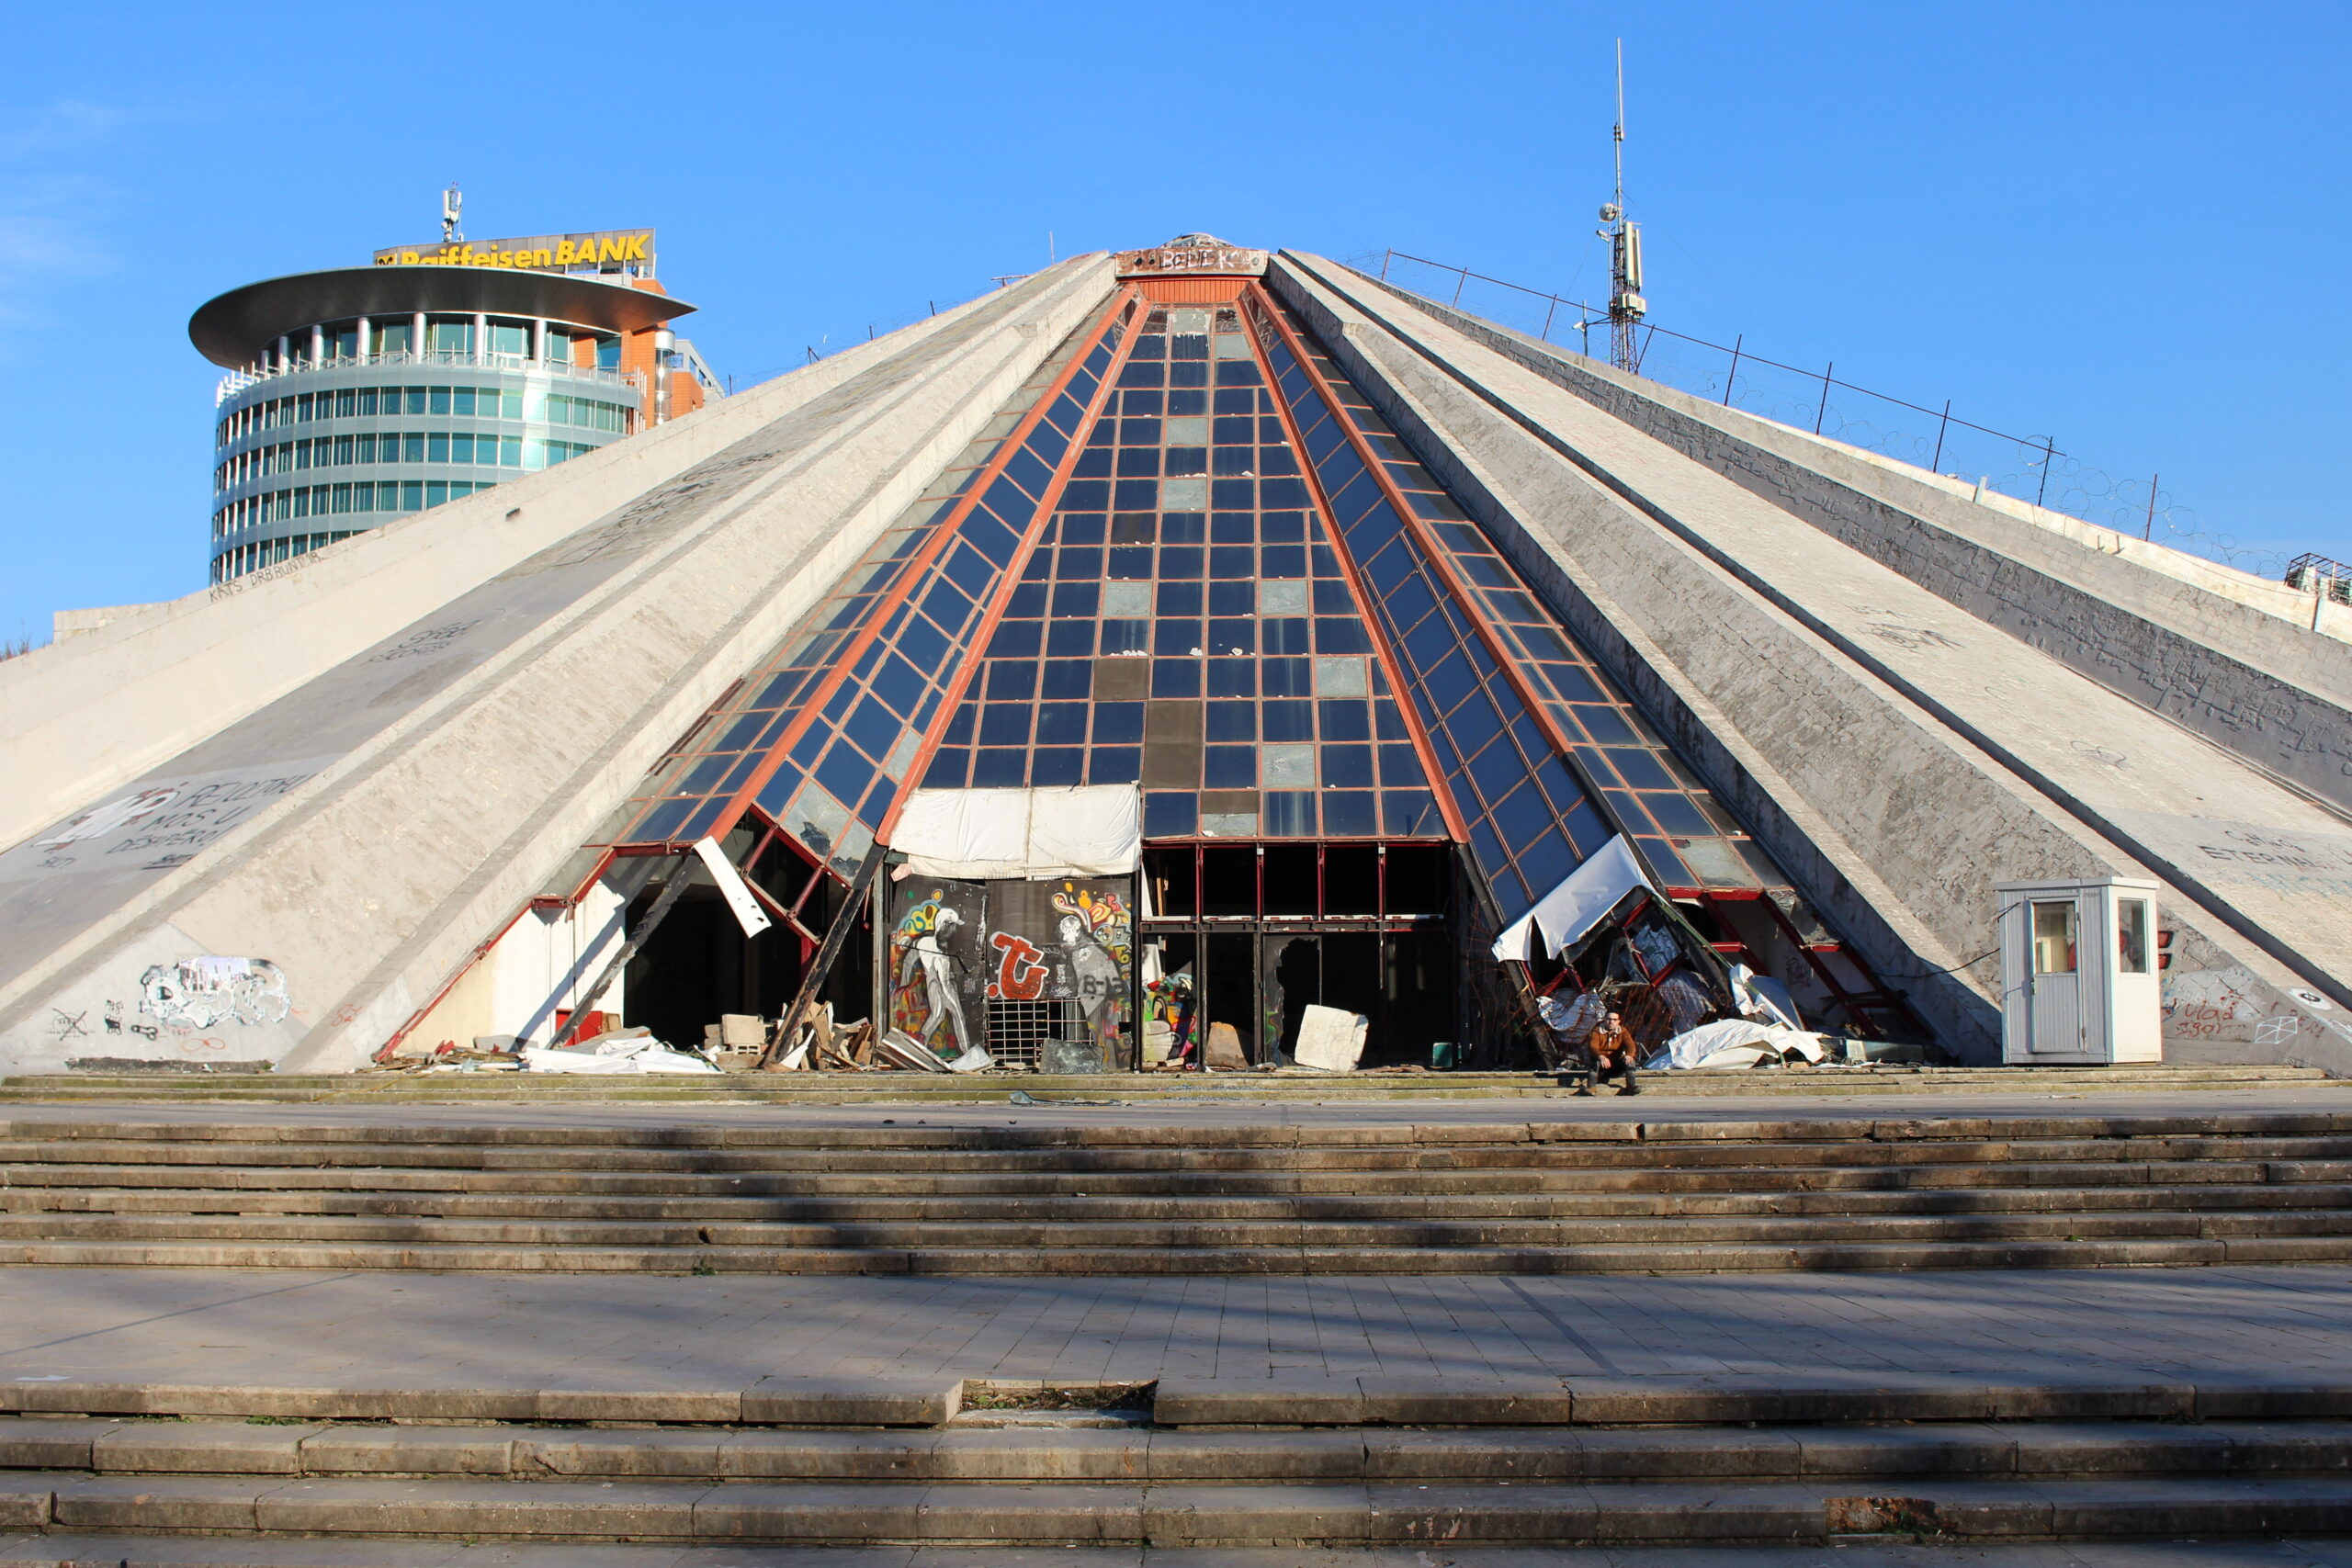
[
  {"x": 236, "y": 381},
  {"x": 2030, "y": 468}
]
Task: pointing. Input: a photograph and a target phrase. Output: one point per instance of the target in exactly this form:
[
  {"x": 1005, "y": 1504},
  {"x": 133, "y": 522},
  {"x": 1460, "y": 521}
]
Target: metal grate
[{"x": 1018, "y": 1031}]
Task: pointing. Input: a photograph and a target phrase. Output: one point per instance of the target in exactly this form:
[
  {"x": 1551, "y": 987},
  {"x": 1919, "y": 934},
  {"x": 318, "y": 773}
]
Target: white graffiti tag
[{"x": 197, "y": 993}]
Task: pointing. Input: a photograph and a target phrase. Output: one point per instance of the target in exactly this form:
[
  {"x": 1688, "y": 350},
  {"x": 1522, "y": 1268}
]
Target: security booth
[{"x": 2078, "y": 971}]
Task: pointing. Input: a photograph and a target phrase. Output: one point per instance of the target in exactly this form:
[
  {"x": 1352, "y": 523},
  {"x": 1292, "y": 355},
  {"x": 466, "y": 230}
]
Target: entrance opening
[{"x": 697, "y": 964}]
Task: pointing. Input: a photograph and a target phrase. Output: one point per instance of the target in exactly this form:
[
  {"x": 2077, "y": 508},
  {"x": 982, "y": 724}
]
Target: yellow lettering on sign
[
  {"x": 563, "y": 253},
  {"x": 542, "y": 258},
  {"x": 408, "y": 258},
  {"x": 635, "y": 248}
]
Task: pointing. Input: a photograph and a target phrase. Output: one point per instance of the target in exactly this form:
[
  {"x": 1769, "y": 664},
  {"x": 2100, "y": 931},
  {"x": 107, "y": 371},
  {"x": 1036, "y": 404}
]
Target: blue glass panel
[
  {"x": 1057, "y": 765},
  {"x": 1286, "y": 814},
  {"x": 1169, "y": 814},
  {"x": 1176, "y": 677},
  {"x": 875, "y": 728},
  {"x": 1232, "y": 721},
  {"x": 844, "y": 771},
  {"x": 1061, "y": 724},
  {"x": 1121, "y": 722},
  {"x": 1000, "y": 768},
  {"x": 1176, "y": 638},
  {"x": 1285, "y": 677},
  {"x": 1229, "y": 767},
  {"x": 1049, "y": 444},
  {"x": 1115, "y": 764},
  {"x": 659, "y": 825},
  {"x": 1288, "y": 720},
  {"x": 1349, "y": 814},
  {"x": 1003, "y": 724},
  {"x": 1347, "y": 766},
  {"x": 1015, "y": 640},
  {"x": 1411, "y": 813},
  {"x": 700, "y": 821},
  {"x": 1027, "y": 470}
]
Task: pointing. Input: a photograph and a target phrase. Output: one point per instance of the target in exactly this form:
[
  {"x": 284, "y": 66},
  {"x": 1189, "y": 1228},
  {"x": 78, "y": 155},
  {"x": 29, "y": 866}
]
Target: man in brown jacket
[{"x": 1612, "y": 1047}]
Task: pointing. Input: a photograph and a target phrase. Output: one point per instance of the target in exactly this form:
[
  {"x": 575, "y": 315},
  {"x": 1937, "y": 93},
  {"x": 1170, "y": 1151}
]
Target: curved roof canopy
[{"x": 237, "y": 328}]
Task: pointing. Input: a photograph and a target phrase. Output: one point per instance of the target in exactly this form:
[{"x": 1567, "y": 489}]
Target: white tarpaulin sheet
[
  {"x": 975, "y": 834},
  {"x": 1578, "y": 905}
]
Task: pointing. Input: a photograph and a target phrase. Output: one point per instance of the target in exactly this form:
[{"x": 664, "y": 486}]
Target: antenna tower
[
  {"x": 453, "y": 205},
  {"x": 1626, "y": 306}
]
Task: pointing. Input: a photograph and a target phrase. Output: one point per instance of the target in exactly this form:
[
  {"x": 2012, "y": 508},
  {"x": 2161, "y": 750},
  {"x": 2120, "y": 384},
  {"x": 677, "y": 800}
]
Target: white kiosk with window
[{"x": 2078, "y": 971}]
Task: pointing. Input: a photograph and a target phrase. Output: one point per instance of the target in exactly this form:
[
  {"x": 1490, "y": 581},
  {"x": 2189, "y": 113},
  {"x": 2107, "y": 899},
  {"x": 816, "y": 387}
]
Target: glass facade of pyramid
[{"x": 1255, "y": 717}]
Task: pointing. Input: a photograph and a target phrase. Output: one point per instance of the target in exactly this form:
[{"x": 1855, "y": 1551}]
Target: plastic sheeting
[
  {"x": 1738, "y": 1043},
  {"x": 1028, "y": 834},
  {"x": 1761, "y": 997},
  {"x": 613, "y": 1053},
  {"x": 1578, "y": 905}
]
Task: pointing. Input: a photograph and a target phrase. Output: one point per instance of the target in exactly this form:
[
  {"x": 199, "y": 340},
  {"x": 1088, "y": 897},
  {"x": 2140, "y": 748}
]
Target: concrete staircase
[
  {"x": 1267, "y": 1197},
  {"x": 378, "y": 1477},
  {"x": 1297, "y": 1084}
]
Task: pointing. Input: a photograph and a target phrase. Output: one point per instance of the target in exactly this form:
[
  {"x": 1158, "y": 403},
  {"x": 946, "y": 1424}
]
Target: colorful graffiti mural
[
  {"x": 933, "y": 979},
  {"x": 1024, "y": 970}
]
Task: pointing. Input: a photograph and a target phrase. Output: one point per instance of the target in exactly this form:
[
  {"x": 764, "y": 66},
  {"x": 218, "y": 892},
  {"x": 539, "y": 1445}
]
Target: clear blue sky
[{"x": 2121, "y": 224}]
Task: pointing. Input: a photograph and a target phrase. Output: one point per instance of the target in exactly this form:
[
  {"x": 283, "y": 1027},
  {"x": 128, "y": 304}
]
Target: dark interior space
[
  {"x": 697, "y": 964},
  {"x": 1417, "y": 878},
  {"x": 1229, "y": 987},
  {"x": 1291, "y": 877},
  {"x": 1351, "y": 879},
  {"x": 1228, "y": 881}
]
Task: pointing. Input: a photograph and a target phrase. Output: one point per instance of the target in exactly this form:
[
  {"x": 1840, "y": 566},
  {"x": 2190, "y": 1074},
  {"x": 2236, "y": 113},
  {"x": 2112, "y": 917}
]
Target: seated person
[{"x": 1612, "y": 1048}]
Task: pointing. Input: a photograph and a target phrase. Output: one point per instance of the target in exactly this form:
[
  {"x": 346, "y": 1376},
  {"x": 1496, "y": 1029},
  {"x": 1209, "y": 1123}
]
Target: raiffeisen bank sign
[{"x": 539, "y": 252}]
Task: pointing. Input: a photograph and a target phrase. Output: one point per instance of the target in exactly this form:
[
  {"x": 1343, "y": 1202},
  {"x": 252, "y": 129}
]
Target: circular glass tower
[{"x": 361, "y": 395}]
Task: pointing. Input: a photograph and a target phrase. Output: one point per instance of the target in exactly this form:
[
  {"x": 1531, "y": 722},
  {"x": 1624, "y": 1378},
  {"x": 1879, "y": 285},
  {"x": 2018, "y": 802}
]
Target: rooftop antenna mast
[
  {"x": 1626, "y": 306},
  {"x": 453, "y": 205}
]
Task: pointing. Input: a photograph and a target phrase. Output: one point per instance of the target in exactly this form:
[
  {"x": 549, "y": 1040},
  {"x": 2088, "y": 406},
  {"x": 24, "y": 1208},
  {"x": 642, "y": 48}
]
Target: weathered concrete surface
[
  {"x": 2273, "y": 691},
  {"x": 1897, "y": 754},
  {"x": 422, "y": 789},
  {"x": 85, "y": 717},
  {"x": 512, "y": 1335}
]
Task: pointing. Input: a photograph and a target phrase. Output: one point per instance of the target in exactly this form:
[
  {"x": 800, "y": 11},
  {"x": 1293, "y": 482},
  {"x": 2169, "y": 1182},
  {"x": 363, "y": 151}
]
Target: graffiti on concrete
[{"x": 197, "y": 994}]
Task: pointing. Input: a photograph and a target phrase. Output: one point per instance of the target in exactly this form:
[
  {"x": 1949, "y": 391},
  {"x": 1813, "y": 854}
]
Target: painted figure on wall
[
  {"x": 926, "y": 999},
  {"x": 1095, "y": 944}
]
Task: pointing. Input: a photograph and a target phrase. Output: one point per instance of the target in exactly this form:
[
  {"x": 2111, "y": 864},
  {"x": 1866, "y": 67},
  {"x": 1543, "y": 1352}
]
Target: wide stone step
[
  {"x": 1662, "y": 1178},
  {"x": 1599, "y": 1258},
  {"x": 1570, "y": 1147},
  {"x": 1072, "y": 1236},
  {"x": 76, "y": 1549},
  {"x": 2158, "y": 1403},
  {"x": 1304, "y": 1513},
  {"x": 465, "y": 1203},
  {"x": 819, "y": 1088},
  {"x": 2037, "y": 1450}
]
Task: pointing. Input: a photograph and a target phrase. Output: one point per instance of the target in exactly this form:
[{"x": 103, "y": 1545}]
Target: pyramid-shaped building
[{"x": 1105, "y": 672}]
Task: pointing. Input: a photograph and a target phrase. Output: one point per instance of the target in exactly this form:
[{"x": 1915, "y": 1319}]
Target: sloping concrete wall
[
  {"x": 525, "y": 710},
  {"x": 1896, "y": 755},
  {"x": 85, "y": 716},
  {"x": 2273, "y": 691}
]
